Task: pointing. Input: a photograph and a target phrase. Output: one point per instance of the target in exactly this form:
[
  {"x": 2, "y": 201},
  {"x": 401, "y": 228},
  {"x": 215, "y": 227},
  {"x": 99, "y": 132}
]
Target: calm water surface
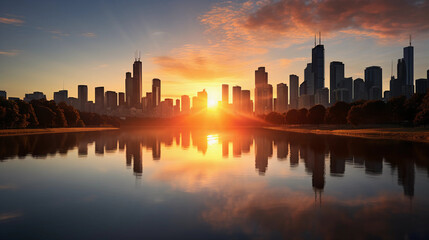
[{"x": 211, "y": 184}]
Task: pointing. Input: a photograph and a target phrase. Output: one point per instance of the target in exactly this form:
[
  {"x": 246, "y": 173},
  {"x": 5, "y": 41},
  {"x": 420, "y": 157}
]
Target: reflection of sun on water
[{"x": 212, "y": 139}]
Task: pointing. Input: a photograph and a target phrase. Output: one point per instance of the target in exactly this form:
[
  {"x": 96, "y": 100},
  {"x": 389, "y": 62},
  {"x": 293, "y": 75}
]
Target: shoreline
[
  {"x": 388, "y": 133},
  {"x": 20, "y": 132}
]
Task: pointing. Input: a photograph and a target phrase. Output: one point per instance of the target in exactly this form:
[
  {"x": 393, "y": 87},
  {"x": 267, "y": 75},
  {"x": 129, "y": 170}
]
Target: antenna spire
[
  {"x": 391, "y": 69},
  {"x": 410, "y": 39},
  {"x": 320, "y": 38},
  {"x": 314, "y": 39}
]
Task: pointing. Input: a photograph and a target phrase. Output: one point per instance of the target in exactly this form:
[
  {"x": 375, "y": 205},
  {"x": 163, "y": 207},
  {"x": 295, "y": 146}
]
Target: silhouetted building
[
  {"x": 395, "y": 87},
  {"x": 111, "y": 100},
  {"x": 74, "y": 102},
  {"x": 360, "y": 92},
  {"x": 82, "y": 95},
  {"x": 166, "y": 107},
  {"x": 99, "y": 99},
  {"x": 263, "y": 92},
  {"x": 345, "y": 87},
  {"x": 246, "y": 103},
  {"x": 121, "y": 99},
  {"x": 318, "y": 65},
  {"x": 137, "y": 83},
  {"x": 34, "y": 96},
  {"x": 156, "y": 92},
  {"x": 373, "y": 82},
  {"x": 336, "y": 76},
  {"x": 306, "y": 101},
  {"x": 387, "y": 96},
  {"x": 308, "y": 84},
  {"x": 3, "y": 94},
  {"x": 177, "y": 107},
  {"x": 61, "y": 96},
  {"x": 236, "y": 98},
  {"x": 422, "y": 85},
  {"x": 186, "y": 103},
  {"x": 322, "y": 97},
  {"x": 225, "y": 95},
  {"x": 200, "y": 101},
  {"x": 128, "y": 89},
  {"x": 282, "y": 97},
  {"x": 409, "y": 70},
  {"x": 294, "y": 85}
]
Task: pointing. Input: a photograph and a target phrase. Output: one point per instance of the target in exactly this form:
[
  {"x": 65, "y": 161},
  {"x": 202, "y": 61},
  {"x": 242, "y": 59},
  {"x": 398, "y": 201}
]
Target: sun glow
[
  {"x": 211, "y": 103},
  {"x": 212, "y": 139}
]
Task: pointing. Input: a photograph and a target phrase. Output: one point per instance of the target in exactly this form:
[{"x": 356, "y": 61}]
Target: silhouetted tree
[
  {"x": 355, "y": 115},
  {"x": 316, "y": 114},
  {"x": 302, "y": 115},
  {"x": 422, "y": 118},
  {"x": 275, "y": 118},
  {"x": 9, "y": 114},
  {"x": 292, "y": 116},
  {"x": 45, "y": 116},
  {"x": 71, "y": 114},
  {"x": 396, "y": 110},
  {"x": 412, "y": 107},
  {"x": 337, "y": 114},
  {"x": 27, "y": 111}
]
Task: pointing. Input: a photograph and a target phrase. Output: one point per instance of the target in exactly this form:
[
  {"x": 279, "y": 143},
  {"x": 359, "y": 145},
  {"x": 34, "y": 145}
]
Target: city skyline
[{"x": 51, "y": 60}]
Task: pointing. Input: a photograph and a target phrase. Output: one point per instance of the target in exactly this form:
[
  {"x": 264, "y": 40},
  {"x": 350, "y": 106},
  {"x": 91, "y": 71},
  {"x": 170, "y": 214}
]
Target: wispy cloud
[
  {"x": 58, "y": 34},
  {"x": 89, "y": 35},
  {"x": 10, "y": 52},
  {"x": 11, "y": 20}
]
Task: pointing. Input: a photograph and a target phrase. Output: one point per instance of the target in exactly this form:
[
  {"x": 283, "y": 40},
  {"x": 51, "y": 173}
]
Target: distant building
[
  {"x": 156, "y": 92},
  {"x": 341, "y": 95},
  {"x": 111, "y": 100},
  {"x": 82, "y": 95},
  {"x": 387, "y": 96},
  {"x": 99, "y": 99},
  {"x": 282, "y": 97},
  {"x": 422, "y": 85},
  {"x": 186, "y": 103},
  {"x": 322, "y": 97},
  {"x": 225, "y": 95},
  {"x": 167, "y": 108},
  {"x": 74, "y": 102},
  {"x": 306, "y": 101},
  {"x": 409, "y": 67},
  {"x": 246, "y": 103},
  {"x": 236, "y": 98},
  {"x": 336, "y": 77},
  {"x": 137, "y": 83},
  {"x": 263, "y": 92},
  {"x": 128, "y": 88},
  {"x": 360, "y": 92},
  {"x": 61, "y": 96},
  {"x": 34, "y": 96},
  {"x": 121, "y": 99},
  {"x": 318, "y": 65},
  {"x": 3, "y": 94},
  {"x": 200, "y": 101},
  {"x": 308, "y": 84},
  {"x": 395, "y": 87},
  {"x": 346, "y": 84},
  {"x": 294, "y": 85},
  {"x": 373, "y": 82},
  {"x": 177, "y": 107}
]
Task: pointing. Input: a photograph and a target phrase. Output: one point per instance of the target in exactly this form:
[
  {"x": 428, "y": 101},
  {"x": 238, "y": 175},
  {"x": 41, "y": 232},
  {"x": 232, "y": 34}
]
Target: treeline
[
  {"x": 408, "y": 112},
  {"x": 47, "y": 114}
]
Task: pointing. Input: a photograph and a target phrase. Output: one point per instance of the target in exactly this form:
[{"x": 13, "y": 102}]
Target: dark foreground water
[{"x": 202, "y": 184}]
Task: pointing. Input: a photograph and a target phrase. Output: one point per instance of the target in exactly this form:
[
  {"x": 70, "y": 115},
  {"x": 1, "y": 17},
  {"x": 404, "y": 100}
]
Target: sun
[{"x": 211, "y": 103}]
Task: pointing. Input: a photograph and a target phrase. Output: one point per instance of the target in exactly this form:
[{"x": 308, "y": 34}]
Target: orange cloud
[
  {"x": 10, "y": 53},
  {"x": 13, "y": 21}
]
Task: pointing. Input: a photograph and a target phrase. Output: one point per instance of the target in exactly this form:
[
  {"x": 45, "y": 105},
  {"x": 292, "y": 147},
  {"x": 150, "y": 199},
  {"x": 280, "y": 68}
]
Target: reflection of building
[
  {"x": 294, "y": 155},
  {"x": 337, "y": 165},
  {"x": 263, "y": 150},
  {"x": 134, "y": 154},
  {"x": 282, "y": 149}
]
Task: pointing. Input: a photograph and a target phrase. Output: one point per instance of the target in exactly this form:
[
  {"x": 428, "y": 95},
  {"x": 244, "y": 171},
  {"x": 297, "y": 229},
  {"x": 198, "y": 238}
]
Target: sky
[{"x": 199, "y": 44}]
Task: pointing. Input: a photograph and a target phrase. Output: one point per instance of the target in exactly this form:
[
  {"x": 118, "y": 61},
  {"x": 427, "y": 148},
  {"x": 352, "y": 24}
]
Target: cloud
[
  {"x": 12, "y": 21},
  {"x": 89, "y": 34},
  {"x": 10, "y": 52},
  {"x": 56, "y": 34},
  {"x": 375, "y": 18}
]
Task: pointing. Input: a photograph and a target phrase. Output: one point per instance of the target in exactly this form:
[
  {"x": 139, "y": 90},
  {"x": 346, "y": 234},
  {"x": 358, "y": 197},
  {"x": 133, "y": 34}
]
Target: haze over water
[{"x": 211, "y": 184}]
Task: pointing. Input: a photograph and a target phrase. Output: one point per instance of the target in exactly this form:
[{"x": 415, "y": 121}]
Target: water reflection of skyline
[{"x": 313, "y": 151}]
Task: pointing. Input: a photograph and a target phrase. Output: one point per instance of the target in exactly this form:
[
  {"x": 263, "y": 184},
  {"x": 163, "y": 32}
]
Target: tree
[
  {"x": 316, "y": 114},
  {"x": 337, "y": 114},
  {"x": 412, "y": 107},
  {"x": 422, "y": 118},
  {"x": 9, "y": 114},
  {"x": 355, "y": 115},
  {"x": 45, "y": 116},
  {"x": 275, "y": 118},
  {"x": 71, "y": 115},
  {"x": 292, "y": 116},
  {"x": 27, "y": 110},
  {"x": 396, "y": 110},
  {"x": 302, "y": 115}
]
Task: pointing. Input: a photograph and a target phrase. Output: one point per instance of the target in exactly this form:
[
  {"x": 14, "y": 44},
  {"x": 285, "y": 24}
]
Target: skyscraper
[
  {"x": 60, "y": 96},
  {"x": 121, "y": 99},
  {"x": 373, "y": 82},
  {"x": 3, "y": 94},
  {"x": 202, "y": 99},
  {"x": 318, "y": 65},
  {"x": 236, "y": 98},
  {"x": 186, "y": 103},
  {"x": 156, "y": 92},
  {"x": 293, "y": 84},
  {"x": 409, "y": 63},
  {"x": 422, "y": 85},
  {"x": 346, "y": 87},
  {"x": 282, "y": 97},
  {"x": 246, "y": 103},
  {"x": 360, "y": 92},
  {"x": 111, "y": 100},
  {"x": 225, "y": 95},
  {"x": 322, "y": 97},
  {"x": 99, "y": 99},
  {"x": 137, "y": 82},
  {"x": 128, "y": 89},
  {"x": 82, "y": 95},
  {"x": 308, "y": 87},
  {"x": 263, "y": 92},
  {"x": 336, "y": 76}
]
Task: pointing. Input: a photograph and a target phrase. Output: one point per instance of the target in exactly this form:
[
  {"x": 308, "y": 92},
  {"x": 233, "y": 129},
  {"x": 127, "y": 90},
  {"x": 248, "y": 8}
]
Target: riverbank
[
  {"x": 395, "y": 133},
  {"x": 18, "y": 132}
]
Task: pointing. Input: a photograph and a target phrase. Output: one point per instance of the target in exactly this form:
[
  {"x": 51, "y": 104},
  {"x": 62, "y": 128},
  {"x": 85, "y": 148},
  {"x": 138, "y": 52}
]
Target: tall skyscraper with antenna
[
  {"x": 318, "y": 65},
  {"x": 137, "y": 82},
  {"x": 409, "y": 70}
]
